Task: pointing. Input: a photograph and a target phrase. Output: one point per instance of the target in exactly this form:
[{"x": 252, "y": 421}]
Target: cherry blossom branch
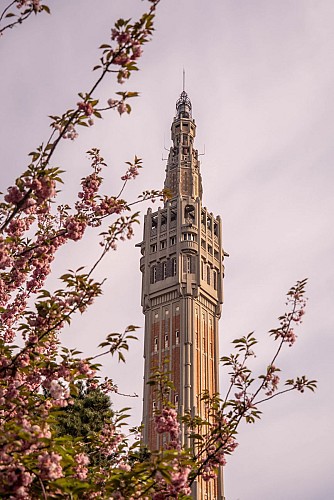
[
  {"x": 85, "y": 109},
  {"x": 6, "y": 8},
  {"x": 32, "y": 6}
]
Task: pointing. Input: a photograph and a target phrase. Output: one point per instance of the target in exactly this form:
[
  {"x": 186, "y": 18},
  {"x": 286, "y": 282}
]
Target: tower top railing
[{"x": 183, "y": 106}]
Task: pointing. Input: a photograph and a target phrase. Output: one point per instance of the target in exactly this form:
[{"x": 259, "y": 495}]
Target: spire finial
[{"x": 183, "y": 104}]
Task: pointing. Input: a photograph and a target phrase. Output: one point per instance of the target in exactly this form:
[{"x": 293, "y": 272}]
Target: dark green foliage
[{"x": 90, "y": 410}]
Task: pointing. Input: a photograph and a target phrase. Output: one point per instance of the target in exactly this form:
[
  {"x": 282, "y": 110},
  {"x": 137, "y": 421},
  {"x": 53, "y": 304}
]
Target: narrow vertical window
[
  {"x": 164, "y": 270},
  {"x": 174, "y": 267},
  {"x": 155, "y": 344},
  {"x": 166, "y": 341},
  {"x": 154, "y": 274},
  {"x": 188, "y": 265},
  {"x": 208, "y": 274},
  {"x": 215, "y": 280},
  {"x": 177, "y": 337}
]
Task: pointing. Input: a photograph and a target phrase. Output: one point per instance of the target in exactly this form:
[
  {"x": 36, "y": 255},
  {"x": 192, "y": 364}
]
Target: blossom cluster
[
  {"x": 166, "y": 421},
  {"x": 297, "y": 303},
  {"x": 34, "y": 4},
  {"x": 271, "y": 380}
]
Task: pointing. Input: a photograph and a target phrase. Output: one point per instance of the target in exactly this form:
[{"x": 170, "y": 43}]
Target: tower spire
[
  {"x": 184, "y": 81},
  {"x": 183, "y": 178}
]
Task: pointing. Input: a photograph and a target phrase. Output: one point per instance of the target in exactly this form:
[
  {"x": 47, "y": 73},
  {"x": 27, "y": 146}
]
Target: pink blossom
[
  {"x": 70, "y": 133},
  {"x": 136, "y": 51},
  {"x": 85, "y": 369},
  {"x": 56, "y": 390},
  {"x": 166, "y": 421},
  {"x": 121, "y": 59},
  {"x": 121, "y": 108},
  {"x": 109, "y": 439},
  {"x": 75, "y": 228},
  {"x": 81, "y": 470},
  {"x": 124, "y": 466},
  {"x": 49, "y": 464},
  {"x": 86, "y": 107},
  {"x": 14, "y": 195},
  {"x": 131, "y": 173}
]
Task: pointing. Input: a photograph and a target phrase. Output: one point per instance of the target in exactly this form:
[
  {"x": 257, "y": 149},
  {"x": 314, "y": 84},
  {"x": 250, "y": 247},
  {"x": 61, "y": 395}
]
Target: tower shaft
[{"x": 182, "y": 290}]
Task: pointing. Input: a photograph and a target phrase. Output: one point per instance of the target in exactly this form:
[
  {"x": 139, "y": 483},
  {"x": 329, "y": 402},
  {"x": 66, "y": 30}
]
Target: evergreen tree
[{"x": 90, "y": 410}]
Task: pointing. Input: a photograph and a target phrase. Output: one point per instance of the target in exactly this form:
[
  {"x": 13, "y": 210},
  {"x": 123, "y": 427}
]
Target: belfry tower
[{"x": 182, "y": 288}]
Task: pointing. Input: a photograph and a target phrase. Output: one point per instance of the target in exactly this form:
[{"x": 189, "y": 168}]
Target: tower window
[
  {"x": 172, "y": 240},
  {"x": 208, "y": 273},
  {"x": 203, "y": 217},
  {"x": 215, "y": 280},
  {"x": 188, "y": 265},
  {"x": 154, "y": 226},
  {"x": 154, "y": 405},
  {"x": 177, "y": 337},
  {"x": 189, "y": 237},
  {"x": 164, "y": 270},
  {"x": 154, "y": 274},
  {"x": 174, "y": 266},
  {"x": 155, "y": 344},
  {"x": 166, "y": 341},
  {"x": 163, "y": 244},
  {"x": 176, "y": 399},
  {"x": 153, "y": 248},
  {"x": 189, "y": 213}
]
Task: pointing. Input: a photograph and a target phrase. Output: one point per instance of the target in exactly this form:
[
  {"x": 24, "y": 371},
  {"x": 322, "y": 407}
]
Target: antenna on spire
[{"x": 184, "y": 81}]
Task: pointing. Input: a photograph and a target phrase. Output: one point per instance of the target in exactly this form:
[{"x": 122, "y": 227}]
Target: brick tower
[{"x": 182, "y": 288}]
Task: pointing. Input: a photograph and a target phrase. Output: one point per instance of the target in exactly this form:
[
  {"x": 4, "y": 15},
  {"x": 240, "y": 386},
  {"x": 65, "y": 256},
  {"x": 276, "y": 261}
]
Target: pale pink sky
[{"x": 260, "y": 75}]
